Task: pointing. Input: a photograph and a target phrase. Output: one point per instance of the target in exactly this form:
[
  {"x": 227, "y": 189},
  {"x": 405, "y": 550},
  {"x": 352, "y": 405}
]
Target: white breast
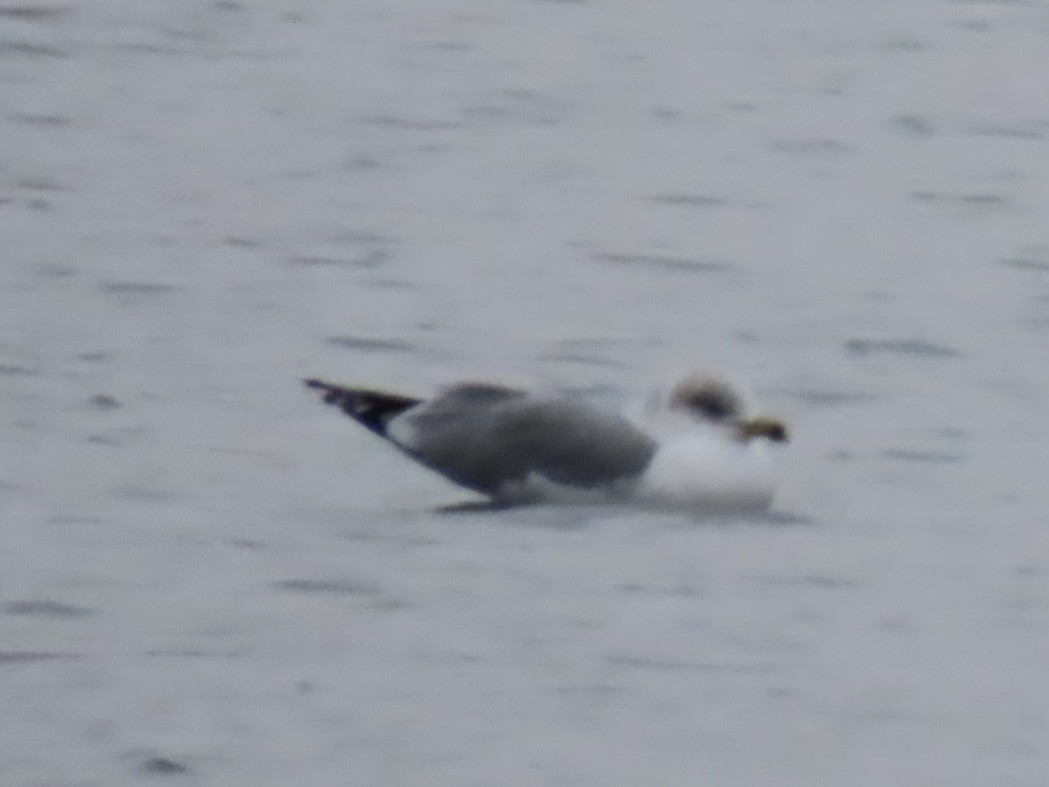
[{"x": 702, "y": 472}]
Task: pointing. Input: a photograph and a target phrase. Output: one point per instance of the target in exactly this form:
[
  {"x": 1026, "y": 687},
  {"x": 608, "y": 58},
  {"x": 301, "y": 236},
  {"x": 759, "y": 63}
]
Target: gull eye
[{"x": 713, "y": 404}]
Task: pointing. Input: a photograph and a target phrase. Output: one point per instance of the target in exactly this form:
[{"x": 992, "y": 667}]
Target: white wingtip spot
[{"x": 403, "y": 432}]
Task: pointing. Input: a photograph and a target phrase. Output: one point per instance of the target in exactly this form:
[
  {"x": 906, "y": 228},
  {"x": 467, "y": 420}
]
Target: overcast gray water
[{"x": 208, "y": 578}]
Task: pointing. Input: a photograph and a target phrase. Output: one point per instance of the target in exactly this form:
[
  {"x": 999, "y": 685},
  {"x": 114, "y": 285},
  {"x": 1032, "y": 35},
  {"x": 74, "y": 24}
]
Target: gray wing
[{"x": 484, "y": 437}]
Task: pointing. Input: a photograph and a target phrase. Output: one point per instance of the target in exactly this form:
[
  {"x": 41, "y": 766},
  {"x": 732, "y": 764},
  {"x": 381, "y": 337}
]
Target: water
[{"x": 207, "y": 577}]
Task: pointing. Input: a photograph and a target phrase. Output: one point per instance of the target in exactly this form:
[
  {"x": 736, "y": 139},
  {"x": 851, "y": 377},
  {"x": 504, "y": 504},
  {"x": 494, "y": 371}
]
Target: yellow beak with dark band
[{"x": 763, "y": 426}]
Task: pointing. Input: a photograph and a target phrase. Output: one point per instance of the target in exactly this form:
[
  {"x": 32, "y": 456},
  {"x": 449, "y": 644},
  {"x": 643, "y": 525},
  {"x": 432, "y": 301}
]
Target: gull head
[{"x": 713, "y": 401}]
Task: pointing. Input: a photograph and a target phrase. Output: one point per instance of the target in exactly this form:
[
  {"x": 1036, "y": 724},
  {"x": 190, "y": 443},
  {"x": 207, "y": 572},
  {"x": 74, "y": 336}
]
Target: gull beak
[{"x": 772, "y": 429}]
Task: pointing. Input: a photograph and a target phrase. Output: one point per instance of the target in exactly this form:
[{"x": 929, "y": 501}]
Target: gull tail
[{"x": 372, "y": 409}]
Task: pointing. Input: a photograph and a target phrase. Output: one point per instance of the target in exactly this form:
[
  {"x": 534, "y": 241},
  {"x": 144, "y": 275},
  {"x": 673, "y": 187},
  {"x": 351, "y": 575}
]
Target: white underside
[
  {"x": 700, "y": 473},
  {"x": 712, "y": 474}
]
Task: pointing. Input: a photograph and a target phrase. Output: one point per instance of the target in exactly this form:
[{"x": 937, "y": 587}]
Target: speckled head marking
[
  {"x": 707, "y": 397},
  {"x": 716, "y": 401}
]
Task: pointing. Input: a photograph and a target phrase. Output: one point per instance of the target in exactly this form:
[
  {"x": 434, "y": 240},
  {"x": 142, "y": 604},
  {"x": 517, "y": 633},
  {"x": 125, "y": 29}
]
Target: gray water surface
[{"x": 208, "y": 578}]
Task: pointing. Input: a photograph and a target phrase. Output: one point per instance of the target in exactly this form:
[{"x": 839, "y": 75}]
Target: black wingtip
[
  {"x": 372, "y": 409},
  {"x": 332, "y": 393}
]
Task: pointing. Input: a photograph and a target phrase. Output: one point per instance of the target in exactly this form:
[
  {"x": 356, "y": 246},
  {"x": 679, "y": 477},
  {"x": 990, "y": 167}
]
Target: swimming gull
[{"x": 692, "y": 446}]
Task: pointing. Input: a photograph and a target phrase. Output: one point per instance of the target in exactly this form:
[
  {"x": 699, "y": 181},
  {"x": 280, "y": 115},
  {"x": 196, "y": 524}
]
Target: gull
[{"x": 691, "y": 446}]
